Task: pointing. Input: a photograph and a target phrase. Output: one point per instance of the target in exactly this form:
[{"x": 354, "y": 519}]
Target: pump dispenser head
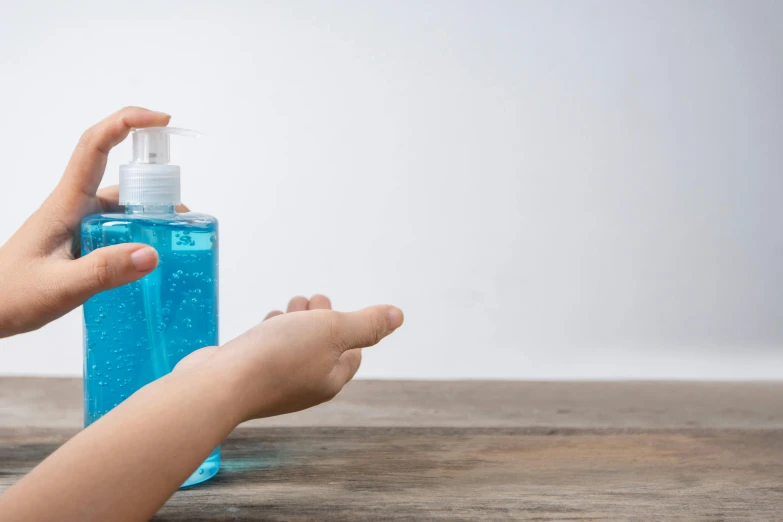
[{"x": 149, "y": 179}]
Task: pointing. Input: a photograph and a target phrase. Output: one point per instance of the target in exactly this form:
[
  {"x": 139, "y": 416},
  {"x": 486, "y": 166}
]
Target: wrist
[
  {"x": 211, "y": 383},
  {"x": 224, "y": 377},
  {"x": 249, "y": 382}
]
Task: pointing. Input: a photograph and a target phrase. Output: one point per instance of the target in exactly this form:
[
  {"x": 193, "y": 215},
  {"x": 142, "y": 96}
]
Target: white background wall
[{"x": 548, "y": 189}]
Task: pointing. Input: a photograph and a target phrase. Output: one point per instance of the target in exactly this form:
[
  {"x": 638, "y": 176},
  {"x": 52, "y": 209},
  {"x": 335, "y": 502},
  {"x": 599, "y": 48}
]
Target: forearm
[{"x": 127, "y": 464}]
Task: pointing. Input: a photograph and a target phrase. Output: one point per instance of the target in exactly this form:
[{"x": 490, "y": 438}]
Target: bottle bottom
[{"x": 206, "y": 470}]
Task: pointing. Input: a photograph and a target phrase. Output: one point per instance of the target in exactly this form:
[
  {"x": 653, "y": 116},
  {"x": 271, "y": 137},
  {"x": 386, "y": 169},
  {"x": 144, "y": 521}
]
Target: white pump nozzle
[
  {"x": 151, "y": 145},
  {"x": 149, "y": 179}
]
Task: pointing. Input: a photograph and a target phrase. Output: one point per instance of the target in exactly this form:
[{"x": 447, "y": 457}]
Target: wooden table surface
[{"x": 387, "y": 450}]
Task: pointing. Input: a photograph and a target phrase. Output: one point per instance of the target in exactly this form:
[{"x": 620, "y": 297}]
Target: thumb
[
  {"x": 365, "y": 327},
  {"x": 106, "y": 268}
]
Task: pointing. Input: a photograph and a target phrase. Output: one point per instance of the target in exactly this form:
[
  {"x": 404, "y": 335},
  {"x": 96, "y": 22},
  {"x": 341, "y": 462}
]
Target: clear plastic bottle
[{"x": 138, "y": 332}]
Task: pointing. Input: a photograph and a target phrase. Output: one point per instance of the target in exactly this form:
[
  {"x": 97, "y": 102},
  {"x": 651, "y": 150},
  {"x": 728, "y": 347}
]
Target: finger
[
  {"x": 105, "y": 268},
  {"x": 364, "y": 328},
  {"x": 347, "y": 366},
  {"x": 88, "y": 161},
  {"x": 273, "y": 313},
  {"x": 109, "y": 198},
  {"x": 319, "y": 302},
  {"x": 297, "y": 304}
]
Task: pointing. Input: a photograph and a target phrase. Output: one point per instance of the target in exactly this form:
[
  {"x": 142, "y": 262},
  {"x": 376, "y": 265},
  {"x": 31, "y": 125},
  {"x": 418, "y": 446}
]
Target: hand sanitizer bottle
[{"x": 136, "y": 333}]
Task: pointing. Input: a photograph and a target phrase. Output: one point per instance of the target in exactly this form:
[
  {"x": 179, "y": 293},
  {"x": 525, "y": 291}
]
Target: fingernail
[
  {"x": 144, "y": 259},
  {"x": 395, "y": 318}
]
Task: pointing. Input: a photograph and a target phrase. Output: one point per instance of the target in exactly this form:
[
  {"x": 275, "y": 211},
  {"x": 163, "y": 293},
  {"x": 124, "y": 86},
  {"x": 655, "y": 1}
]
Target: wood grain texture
[
  {"x": 716, "y": 453},
  {"x": 47, "y": 402}
]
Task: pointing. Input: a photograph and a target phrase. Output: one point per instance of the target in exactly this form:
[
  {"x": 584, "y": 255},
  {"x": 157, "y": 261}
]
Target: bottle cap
[{"x": 149, "y": 179}]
